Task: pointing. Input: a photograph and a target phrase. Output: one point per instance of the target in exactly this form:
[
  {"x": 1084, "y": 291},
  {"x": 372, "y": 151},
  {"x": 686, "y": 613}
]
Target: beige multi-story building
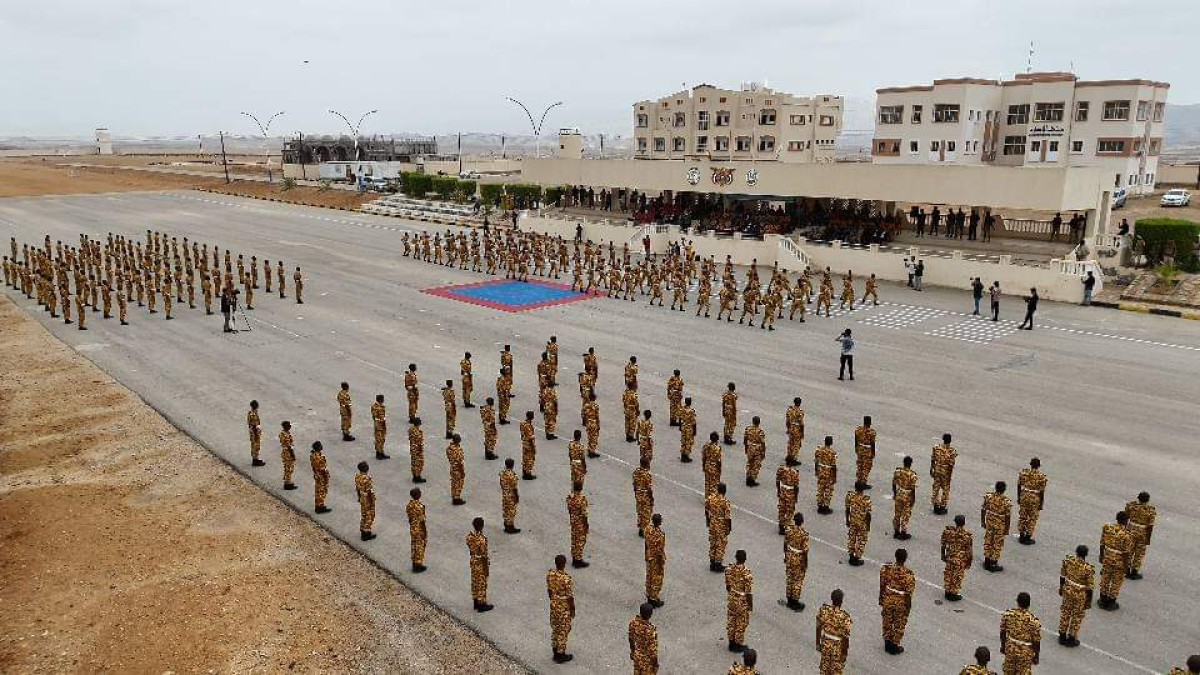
[
  {"x": 1035, "y": 119},
  {"x": 753, "y": 123}
]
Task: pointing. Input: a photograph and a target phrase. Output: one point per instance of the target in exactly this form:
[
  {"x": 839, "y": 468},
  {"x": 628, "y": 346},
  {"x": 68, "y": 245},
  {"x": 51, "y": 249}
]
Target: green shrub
[
  {"x": 466, "y": 190},
  {"x": 525, "y": 193},
  {"x": 445, "y": 186},
  {"x": 1164, "y": 234},
  {"x": 288, "y": 184},
  {"x": 490, "y": 193},
  {"x": 416, "y": 185},
  {"x": 324, "y": 184},
  {"x": 554, "y": 193}
]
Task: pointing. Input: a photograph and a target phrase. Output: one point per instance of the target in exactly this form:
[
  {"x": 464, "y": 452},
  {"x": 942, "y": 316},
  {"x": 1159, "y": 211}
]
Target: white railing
[
  {"x": 1112, "y": 242},
  {"x": 1027, "y": 225},
  {"x": 1080, "y": 268},
  {"x": 790, "y": 246}
]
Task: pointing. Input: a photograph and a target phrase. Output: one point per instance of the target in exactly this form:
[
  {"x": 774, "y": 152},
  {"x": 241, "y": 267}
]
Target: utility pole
[
  {"x": 265, "y": 128},
  {"x": 601, "y": 146},
  {"x": 460, "y": 162},
  {"x": 536, "y": 126},
  {"x": 502, "y": 155},
  {"x": 303, "y": 175},
  {"x": 224, "y": 159}
]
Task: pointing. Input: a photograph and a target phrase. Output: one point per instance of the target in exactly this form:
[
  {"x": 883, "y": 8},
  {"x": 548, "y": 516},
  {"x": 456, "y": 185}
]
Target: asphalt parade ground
[{"x": 1107, "y": 400}]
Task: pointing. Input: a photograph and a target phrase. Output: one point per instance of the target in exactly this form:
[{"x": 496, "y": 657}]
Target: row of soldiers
[
  {"x": 622, "y": 277},
  {"x": 1123, "y": 544},
  {"x": 98, "y": 271}
]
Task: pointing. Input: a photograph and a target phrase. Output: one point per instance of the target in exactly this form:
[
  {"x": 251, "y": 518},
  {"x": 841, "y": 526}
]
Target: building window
[
  {"x": 722, "y": 118},
  {"x": 1133, "y": 179},
  {"x": 1149, "y": 179},
  {"x": 989, "y": 116},
  {"x": 793, "y": 146},
  {"x": 934, "y": 146},
  {"x": 766, "y": 116},
  {"x": 766, "y": 143},
  {"x": 1081, "y": 111},
  {"x": 723, "y": 143},
  {"x": 951, "y": 146},
  {"x": 916, "y": 113},
  {"x": 826, "y": 120},
  {"x": 641, "y": 145},
  {"x": 1117, "y": 182},
  {"x": 1110, "y": 146},
  {"x": 945, "y": 112},
  {"x": 702, "y": 144},
  {"x": 1155, "y": 144},
  {"x": 1076, "y": 146},
  {"x": 1116, "y": 110},
  {"x": 702, "y": 120},
  {"x": 680, "y": 119},
  {"x": 796, "y": 120},
  {"x": 643, "y": 121},
  {"x": 660, "y": 145},
  {"x": 914, "y": 147},
  {"x": 1018, "y": 114},
  {"x": 743, "y": 144},
  {"x": 1014, "y": 145},
  {"x": 1143, "y": 111},
  {"x": 1035, "y": 147},
  {"x": 679, "y": 144},
  {"x": 1159, "y": 109},
  {"x": 1048, "y": 112},
  {"x": 721, "y": 100},
  {"x": 891, "y": 114},
  {"x": 975, "y": 146},
  {"x": 665, "y": 104}
]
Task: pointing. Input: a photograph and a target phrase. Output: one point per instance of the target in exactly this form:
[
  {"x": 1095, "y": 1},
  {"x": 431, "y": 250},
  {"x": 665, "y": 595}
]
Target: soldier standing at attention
[
  {"x": 528, "y": 447},
  {"x": 1116, "y": 547},
  {"x": 561, "y": 590},
  {"x": 1031, "y": 497},
  {"x": 825, "y": 466},
  {"x": 739, "y": 601},
  {"x": 1076, "y": 581},
  {"x": 411, "y": 388},
  {"x": 577, "y": 511},
  {"x": 643, "y": 642},
  {"x": 858, "y": 522},
  {"x": 509, "y": 496},
  {"x": 755, "y": 442},
  {"x": 631, "y": 408},
  {"x": 864, "y": 451},
  {"x": 299, "y": 281},
  {"x": 267, "y": 273},
  {"x": 468, "y": 380},
  {"x": 590, "y": 365},
  {"x": 941, "y": 469},
  {"x": 718, "y": 518},
  {"x": 958, "y": 552},
  {"x": 287, "y": 455},
  {"x": 980, "y": 667},
  {"x": 477, "y": 546},
  {"x": 787, "y": 486},
  {"x": 656, "y": 560},
  {"x": 416, "y": 450},
  {"x": 450, "y": 407},
  {"x": 833, "y": 635},
  {"x": 379, "y": 421},
  {"x": 123, "y": 306},
  {"x": 675, "y": 396},
  {"x": 549, "y": 403},
  {"x": 904, "y": 495},
  {"x": 418, "y": 534},
  {"x": 320, "y": 469},
  {"x": 795, "y": 560},
  {"x": 729, "y": 412},
  {"x": 506, "y": 363},
  {"x": 896, "y": 586},
  {"x": 365, "y": 488},
  {"x": 487, "y": 418},
  {"x": 631, "y": 373},
  {"x": 995, "y": 517},
  {"x": 552, "y": 353},
  {"x": 577, "y": 458},
  {"x": 1142, "y": 515},
  {"x": 794, "y": 420},
  {"x": 710, "y": 462},
  {"x": 643, "y": 494},
  {"x": 458, "y": 470},
  {"x": 345, "y": 411},
  {"x": 255, "y": 425},
  {"x": 282, "y": 280},
  {"x": 1020, "y": 637},
  {"x": 504, "y": 394},
  {"x": 591, "y": 422},
  {"x": 645, "y": 437},
  {"x": 687, "y": 430}
]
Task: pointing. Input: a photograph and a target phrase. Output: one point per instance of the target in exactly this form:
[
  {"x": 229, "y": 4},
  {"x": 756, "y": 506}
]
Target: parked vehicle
[
  {"x": 1119, "y": 197},
  {"x": 378, "y": 184},
  {"x": 1176, "y": 197},
  {"x": 469, "y": 175}
]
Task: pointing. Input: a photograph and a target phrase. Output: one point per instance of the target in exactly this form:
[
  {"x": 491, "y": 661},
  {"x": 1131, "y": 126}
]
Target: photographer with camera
[{"x": 229, "y": 305}]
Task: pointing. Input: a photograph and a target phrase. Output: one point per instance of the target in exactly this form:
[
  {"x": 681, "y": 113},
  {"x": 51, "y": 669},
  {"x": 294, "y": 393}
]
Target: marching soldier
[
  {"x": 587, "y": 387},
  {"x": 418, "y": 534},
  {"x": 528, "y": 447},
  {"x": 287, "y": 454},
  {"x": 643, "y": 494},
  {"x": 995, "y": 517},
  {"x": 795, "y": 560},
  {"x": 1020, "y": 637},
  {"x": 477, "y": 547},
  {"x": 450, "y": 407},
  {"x": 320, "y": 469},
  {"x": 509, "y": 496},
  {"x": 549, "y": 403},
  {"x": 825, "y": 466},
  {"x": 982, "y": 656},
  {"x": 645, "y": 437},
  {"x": 468, "y": 380},
  {"x": 871, "y": 290},
  {"x": 345, "y": 411},
  {"x": 643, "y": 642},
  {"x": 411, "y": 388},
  {"x": 1142, "y": 515},
  {"x": 904, "y": 495},
  {"x": 1076, "y": 581},
  {"x": 458, "y": 470},
  {"x": 591, "y": 422},
  {"x": 754, "y": 440},
  {"x": 1116, "y": 547},
  {"x": 729, "y": 412},
  {"x": 255, "y": 425},
  {"x": 718, "y": 518},
  {"x": 416, "y": 450},
  {"x": 631, "y": 408},
  {"x": 687, "y": 430},
  {"x": 577, "y": 511},
  {"x": 1031, "y": 497},
  {"x": 656, "y": 560},
  {"x": 958, "y": 552},
  {"x": 487, "y": 418},
  {"x": 710, "y": 462},
  {"x": 379, "y": 421},
  {"x": 365, "y": 489},
  {"x": 864, "y": 451},
  {"x": 858, "y": 522},
  {"x": 896, "y": 586},
  {"x": 941, "y": 469},
  {"x": 675, "y": 396},
  {"x": 561, "y": 590},
  {"x": 833, "y": 635},
  {"x": 739, "y": 601},
  {"x": 794, "y": 420}
]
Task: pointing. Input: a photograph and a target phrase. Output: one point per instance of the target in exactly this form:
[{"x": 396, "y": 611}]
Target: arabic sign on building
[{"x": 1046, "y": 131}]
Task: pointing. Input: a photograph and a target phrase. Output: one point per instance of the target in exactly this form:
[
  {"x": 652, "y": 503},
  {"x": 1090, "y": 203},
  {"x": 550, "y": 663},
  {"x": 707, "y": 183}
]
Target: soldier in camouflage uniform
[
  {"x": 643, "y": 642},
  {"x": 896, "y": 586},
  {"x": 1142, "y": 516},
  {"x": 1020, "y": 638},
  {"x": 958, "y": 552},
  {"x": 858, "y": 522},
  {"x": 833, "y": 635},
  {"x": 364, "y": 487},
  {"x": 904, "y": 496},
  {"x": 287, "y": 454},
  {"x": 739, "y": 602},
  {"x": 864, "y": 451},
  {"x": 487, "y": 418},
  {"x": 754, "y": 440},
  {"x": 528, "y": 447},
  {"x": 379, "y": 422},
  {"x": 710, "y": 461},
  {"x": 477, "y": 547},
  {"x": 656, "y": 560},
  {"x": 320, "y": 469},
  {"x": 795, "y": 560},
  {"x": 1116, "y": 550},
  {"x": 825, "y": 466},
  {"x": 561, "y": 590},
  {"x": 1031, "y": 497},
  {"x": 687, "y": 430},
  {"x": 577, "y": 511},
  {"x": 995, "y": 518},
  {"x": 729, "y": 412},
  {"x": 794, "y": 420},
  {"x": 458, "y": 470},
  {"x": 718, "y": 518},
  {"x": 345, "y": 412},
  {"x": 418, "y": 533},
  {"x": 255, "y": 424},
  {"x": 509, "y": 496},
  {"x": 1076, "y": 582}
]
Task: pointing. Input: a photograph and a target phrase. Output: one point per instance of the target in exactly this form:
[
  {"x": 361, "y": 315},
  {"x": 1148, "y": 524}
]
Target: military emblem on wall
[
  {"x": 722, "y": 176},
  {"x": 751, "y": 176},
  {"x": 693, "y": 176}
]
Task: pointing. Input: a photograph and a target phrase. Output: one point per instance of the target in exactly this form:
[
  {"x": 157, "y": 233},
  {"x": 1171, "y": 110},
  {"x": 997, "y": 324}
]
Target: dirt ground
[
  {"x": 34, "y": 177},
  {"x": 1148, "y": 207},
  {"x": 129, "y": 548},
  {"x": 309, "y": 196}
]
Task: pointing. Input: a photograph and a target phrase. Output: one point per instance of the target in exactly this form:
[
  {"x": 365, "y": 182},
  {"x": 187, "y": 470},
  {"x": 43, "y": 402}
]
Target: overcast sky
[{"x": 151, "y": 67}]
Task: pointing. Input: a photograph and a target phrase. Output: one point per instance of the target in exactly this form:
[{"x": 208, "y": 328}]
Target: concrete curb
[{"x": 1144, "y": 309}]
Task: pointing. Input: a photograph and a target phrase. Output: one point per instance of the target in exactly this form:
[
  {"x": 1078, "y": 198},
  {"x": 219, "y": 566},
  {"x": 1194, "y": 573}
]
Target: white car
[{"x": 1176, "y": 197}]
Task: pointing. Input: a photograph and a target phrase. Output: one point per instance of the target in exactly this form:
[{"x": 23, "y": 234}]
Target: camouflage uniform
[
  {"x": 451, "y": 409},
  {"x": 656, "y": 561},
  {"x": 468, "y": 381},
  {"x": 687, "y": 430},
  {"x": 864, "y": 451},
  {"x": 577, "y": 510},
  {"x": 787, "y": 486},
  {"x": 941, "y": 468},
  {"x": 1116, "y": 547},
  {"x": 528, "y": 448},
  {"x": 591, "y": 423},
  {"x": 997, "y": 512},
  {"x": 1031, "y": 493},
  {"x": 795, "y": 432},
  {"x": 717, "y": 514},
  {"x": 858, "y": 513},
  {"x": 1079, "y": 578},
  {"x": 487, "y": 418},
  {"x": 729, "y": 413},
  {"x": 643, "y": 496},
  {"x": 710, "y": 457},
  {"x": 896, "y": 586},
  {"x": 904, "y": 492},
  {"x": 754, "y": 439},
  {"x": 739, "y": 584},
  {"x": 958, "y": 553},
  {"x": 1141, "y": 526},
  {"x": 675, "y": 397},
  {"x": 477, "y": 545},
  {"x": 458, "y": 470},
  {"x": 643, "y": 646},
  {"x": 418, "y": 534},
  {"x": 412, "y": 390},
  {"x": 833, "y": 628},
  {"x": 629, "y": 404},
  {"x": 795, "y": 559},
  {"x": 255, "y": 433},
  {"x": 825, "y": 465},
  {"x": 561, "y": 590},
  {"x": 576, "y": 457},
  {"x": 509, "y": 497},
  {"x": 288, "y": 456},
  {"x": 365, "y": 488},
  {"x": 645, "y": 438},
  {"x": 379, "y": 422},
  {"x": 549, "y": 401},
  {"x": 1022, "y": 631},
  {"x": 320, "y": 469},
  {"x": 344, "y": 410}
]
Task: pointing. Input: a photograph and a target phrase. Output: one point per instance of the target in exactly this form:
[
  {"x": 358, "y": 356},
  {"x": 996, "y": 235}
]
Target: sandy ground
[
  {"x": 309, "y": 196},
  {"x": 127, "y": 547},
  {"x": 34, "y": 177}
]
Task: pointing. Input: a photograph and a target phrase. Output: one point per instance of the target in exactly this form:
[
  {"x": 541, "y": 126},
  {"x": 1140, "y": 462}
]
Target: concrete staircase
[{"x": 423, "y": 210}]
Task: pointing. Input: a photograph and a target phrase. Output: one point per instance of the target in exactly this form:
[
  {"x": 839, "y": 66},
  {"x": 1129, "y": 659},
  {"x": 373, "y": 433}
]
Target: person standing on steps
[{"x": 847, "y": 357}]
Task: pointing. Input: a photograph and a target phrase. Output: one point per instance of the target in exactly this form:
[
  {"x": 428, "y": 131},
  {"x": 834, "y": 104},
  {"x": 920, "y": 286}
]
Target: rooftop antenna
[{"x": 1029, "y": 61}]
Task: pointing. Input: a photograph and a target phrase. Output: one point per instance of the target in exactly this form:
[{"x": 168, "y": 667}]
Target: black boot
[
  {"x": 1133, "y": 575},
  {"x": 367, "y": 536},
  {"x": 417, "y": 569},
  {"x": 490, "y": 455},
  {"x": 889, "y": 647},
  {"x": 525, "y": 475},
  {"x": 511, "y": 529},
  {"x": 562, "y": 657},
  {"x": 289, "y": 486},
  {"x": 735, "y": 647},
  {"x": 322, "y": 509},
  {"x": 382, "y": 455},
  {"x": 686, "y": 459},
  {"x": 855, "y": 561},
  {"x": 347, "y": 437},
  {"x": 458, "y": 501},
  {"x": 1062, "y": 639},
  {"x": 580, "y": 563},
  {"x": 824, "y": 510},
  {"x": 716, "y": 566},
  {"x": 781, "y": 530},
  {"x": 795, "y": 605},
  {"x": 258, "y": 462},
  {"x": 418, "y": 479},
  {"x": 750, "y": 482},
  {"x": 655, "y": 602}
]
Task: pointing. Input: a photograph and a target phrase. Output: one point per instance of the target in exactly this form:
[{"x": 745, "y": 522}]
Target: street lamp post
[
  {"x": 264, "y": 128},
  {"x": 536, "y": 126},
  {"x": 354, "y": 127}
]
